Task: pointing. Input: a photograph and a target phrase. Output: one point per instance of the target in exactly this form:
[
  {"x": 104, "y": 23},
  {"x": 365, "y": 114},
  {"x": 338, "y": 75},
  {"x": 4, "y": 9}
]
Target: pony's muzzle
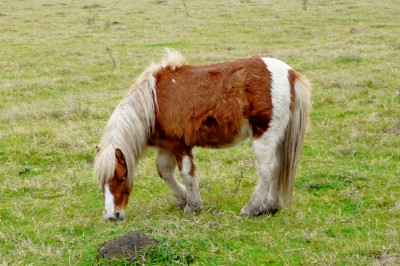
[{"x": 116, "y": 216}]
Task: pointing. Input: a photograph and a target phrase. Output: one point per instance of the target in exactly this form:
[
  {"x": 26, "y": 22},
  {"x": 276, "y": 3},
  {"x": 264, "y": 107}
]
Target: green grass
[{"x": 58, "y": 88}]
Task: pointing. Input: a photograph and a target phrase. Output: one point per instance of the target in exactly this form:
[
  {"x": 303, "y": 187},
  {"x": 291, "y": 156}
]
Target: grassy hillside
[{"x": 64, "y": 66}]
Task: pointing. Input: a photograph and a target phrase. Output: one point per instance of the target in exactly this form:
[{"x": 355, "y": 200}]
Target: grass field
[{"x": 64, "y": 66}]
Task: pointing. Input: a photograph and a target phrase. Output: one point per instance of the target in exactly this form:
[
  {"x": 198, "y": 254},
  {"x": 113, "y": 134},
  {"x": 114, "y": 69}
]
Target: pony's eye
[{"x": 121, "y": 181}]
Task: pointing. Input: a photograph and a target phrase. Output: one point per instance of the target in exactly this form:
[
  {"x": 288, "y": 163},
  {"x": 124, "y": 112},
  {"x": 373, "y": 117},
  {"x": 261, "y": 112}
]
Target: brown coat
[{"x": 207, "y": 105}]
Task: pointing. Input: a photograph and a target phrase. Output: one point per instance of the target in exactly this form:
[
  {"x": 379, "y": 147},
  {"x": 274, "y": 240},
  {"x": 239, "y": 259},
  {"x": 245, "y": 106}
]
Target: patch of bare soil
[
  {"x": 388, "y": 259},
  {"x": 126, "y": 246}
]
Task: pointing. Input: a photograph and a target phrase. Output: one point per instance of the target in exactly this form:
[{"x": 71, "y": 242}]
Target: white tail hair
[
  {"x": 132, "y": 122},
  {"x": 294, "y": 139}
]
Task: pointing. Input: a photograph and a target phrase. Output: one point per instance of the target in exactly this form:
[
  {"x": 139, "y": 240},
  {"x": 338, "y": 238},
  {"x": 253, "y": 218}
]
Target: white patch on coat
[
  {"x": 186, "y": 165},
  {"x": 108, "y": 202},
  {"x": 280, "y": 94}
]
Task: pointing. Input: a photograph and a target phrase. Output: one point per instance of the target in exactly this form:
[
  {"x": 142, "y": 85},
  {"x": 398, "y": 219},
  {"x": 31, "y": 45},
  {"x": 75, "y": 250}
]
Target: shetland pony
[{"x": 174, "y": 107}]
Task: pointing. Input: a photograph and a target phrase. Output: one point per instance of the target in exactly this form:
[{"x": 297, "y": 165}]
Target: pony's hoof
[
  {"x": 181, "y": 203},
  {"x": 251, "y": 212},
  {"x": 248, "y": 212},
  {"x": 192, "y": 210}
]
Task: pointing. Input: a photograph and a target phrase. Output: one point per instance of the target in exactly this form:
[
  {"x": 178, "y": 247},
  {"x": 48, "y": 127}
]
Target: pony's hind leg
[
  {"x": 265, "y": 199},
  {"x": 187, "y": 169},
  {"x": 166, "y": 165}
]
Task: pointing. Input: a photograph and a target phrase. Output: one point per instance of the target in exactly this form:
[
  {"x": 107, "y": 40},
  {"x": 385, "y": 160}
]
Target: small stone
[{"x": 26, "y": 170}]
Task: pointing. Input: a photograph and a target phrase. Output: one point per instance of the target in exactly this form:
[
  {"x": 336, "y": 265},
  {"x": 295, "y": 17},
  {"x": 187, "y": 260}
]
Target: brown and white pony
[{"x": 174, "y": 107}]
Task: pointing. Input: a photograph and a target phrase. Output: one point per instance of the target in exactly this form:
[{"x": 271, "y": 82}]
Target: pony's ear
[
  {"x": 120, "y": 156},
  {"x": 97, "y": 149}
]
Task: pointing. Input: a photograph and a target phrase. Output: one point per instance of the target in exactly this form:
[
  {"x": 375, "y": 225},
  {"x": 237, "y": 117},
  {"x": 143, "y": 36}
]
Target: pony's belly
[{"x": 222, "y": 136}]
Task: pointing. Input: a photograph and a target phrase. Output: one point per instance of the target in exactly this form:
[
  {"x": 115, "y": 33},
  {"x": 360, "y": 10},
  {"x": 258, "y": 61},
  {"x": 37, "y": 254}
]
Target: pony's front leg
[
  {"x": 166, "y": 165},
  {"x": 187, "y": 170}
]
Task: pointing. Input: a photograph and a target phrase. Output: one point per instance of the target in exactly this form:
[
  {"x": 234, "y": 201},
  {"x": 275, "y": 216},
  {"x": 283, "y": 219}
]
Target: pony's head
[{"x": 112, "y": 172}]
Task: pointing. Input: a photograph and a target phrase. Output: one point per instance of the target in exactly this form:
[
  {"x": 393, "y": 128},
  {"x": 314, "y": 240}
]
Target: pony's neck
[{"x": 130, "y": 126}]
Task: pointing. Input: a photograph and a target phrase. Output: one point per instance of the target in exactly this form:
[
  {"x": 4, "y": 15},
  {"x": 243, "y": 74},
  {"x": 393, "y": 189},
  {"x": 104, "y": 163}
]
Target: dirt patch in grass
[{"x": 126, "y": 246}]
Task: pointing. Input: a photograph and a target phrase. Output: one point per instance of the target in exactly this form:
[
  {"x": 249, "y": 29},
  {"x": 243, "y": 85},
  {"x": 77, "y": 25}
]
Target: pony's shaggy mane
[
  {"x": 173, "y": 59},
  {"x": 132, "y": 121}
]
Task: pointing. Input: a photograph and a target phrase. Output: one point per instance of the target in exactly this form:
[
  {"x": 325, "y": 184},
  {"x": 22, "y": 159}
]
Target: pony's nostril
[{"x": 117, "y": 215}]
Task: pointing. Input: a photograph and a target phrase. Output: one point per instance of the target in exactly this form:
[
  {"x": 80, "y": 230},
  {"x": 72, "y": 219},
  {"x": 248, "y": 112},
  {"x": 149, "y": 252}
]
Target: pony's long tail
[{"x": 294, "y": 139}]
